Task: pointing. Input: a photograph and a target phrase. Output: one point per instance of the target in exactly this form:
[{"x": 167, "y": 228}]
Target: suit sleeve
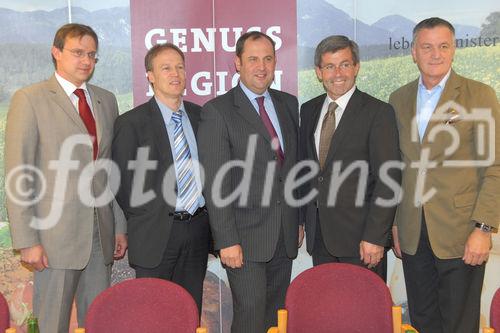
[
  {"x": 124, "y": 150},
  {"x": 21, "y": 142},
  {"x": 214, "y": 151},
  {"x": 383, "y": 147},
  {"x": 305, "y": 188},
  {"x": 487, "y": 208},
  {"x": 119, "y": 217},
  {"x": 393, "y": 103}
]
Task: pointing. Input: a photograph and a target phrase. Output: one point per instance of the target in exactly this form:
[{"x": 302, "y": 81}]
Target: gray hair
[
  {"x": 333, "y": 44},
  {"x": 430, "y": 23}
]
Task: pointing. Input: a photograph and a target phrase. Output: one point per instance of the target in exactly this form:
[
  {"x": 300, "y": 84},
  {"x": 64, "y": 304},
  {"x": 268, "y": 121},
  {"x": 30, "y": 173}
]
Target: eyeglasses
[
  {"x": 342, "y": 67},
  {"x": 80, "y": 54}
]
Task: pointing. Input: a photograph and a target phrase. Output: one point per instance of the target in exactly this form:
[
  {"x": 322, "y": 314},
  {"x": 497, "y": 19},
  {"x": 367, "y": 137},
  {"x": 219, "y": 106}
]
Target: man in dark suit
[
  {"x": 160, "y": 193},
  {"x": 342, "y": 129},
  {"x": 254, "y": 227}
]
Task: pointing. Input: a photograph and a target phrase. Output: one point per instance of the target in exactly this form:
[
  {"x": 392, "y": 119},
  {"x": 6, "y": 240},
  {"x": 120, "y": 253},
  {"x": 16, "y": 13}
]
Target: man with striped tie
[{"x": 160, "y": 188}]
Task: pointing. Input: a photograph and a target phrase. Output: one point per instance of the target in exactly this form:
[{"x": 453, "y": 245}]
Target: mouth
[
  {"x": 175, "y": 83},
  {"x": 261, "y": 76},
  {"x": 338, "y": 81}
]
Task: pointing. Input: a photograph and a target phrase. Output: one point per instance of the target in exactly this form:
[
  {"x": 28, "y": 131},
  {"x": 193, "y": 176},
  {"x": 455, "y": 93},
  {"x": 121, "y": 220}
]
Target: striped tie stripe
[{"x": 188, "y": 192}]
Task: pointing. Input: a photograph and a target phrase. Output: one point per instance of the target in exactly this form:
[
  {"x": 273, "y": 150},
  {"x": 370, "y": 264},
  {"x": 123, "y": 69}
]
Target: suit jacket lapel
[
  {"x": 315, "y": 122},
  {"x": 246, "y": 110},
  {"x": 63, "y": 101},
  {"x": 284, "y": 121},
  {"x": 99, "y": 117},
  {"x": 160, "y": 131},
  {"x": 350, "y": 116},
  {"x": 193, "y": 119},
  {"x": 408, "y": 120}
]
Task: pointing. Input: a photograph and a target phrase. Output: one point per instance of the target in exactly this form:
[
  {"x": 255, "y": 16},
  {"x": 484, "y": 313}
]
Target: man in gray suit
[
  {"x": 258, "y": 233},
  {"x": 57, "y": 130}
]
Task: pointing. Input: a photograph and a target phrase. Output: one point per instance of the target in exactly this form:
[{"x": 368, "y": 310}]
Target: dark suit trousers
[
  {"x": 443, "y": 294},
  {"x": 320, "y": 255},
  {"x": 258, "y": 290},
  {"x": 185, "y": 258}
]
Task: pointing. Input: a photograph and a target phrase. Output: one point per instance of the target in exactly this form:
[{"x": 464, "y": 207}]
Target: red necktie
[
  {"x": 87, "y": 117},
  {"x": 270, "y": 128}
]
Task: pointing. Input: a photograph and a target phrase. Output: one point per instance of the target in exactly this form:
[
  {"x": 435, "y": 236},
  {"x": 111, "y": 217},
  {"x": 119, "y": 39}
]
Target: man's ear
[
  {"x": 56, "y": 53},
  {"x": 237, "y": 63}
]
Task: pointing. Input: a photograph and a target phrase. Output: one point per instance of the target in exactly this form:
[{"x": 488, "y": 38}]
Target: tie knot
[
  {"x": 177, "y": 117},
  {"x": 80, "y": 93},
  {"x": 260, "y": 101},
  {"x": 332, "y": 107}
]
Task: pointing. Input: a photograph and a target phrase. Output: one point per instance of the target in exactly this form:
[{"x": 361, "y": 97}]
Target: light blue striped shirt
[{"x": 166, "y": 113}]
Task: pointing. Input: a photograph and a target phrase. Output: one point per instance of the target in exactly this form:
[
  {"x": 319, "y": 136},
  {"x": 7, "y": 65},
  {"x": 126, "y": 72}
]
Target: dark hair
[
  {"x": 157, "y": 49},
  {"x": 430, "y": 23},
  {"x": 333, "y": 44},
  {"x": 72, "y": 30},
  {"x": 252, "y": 35}
]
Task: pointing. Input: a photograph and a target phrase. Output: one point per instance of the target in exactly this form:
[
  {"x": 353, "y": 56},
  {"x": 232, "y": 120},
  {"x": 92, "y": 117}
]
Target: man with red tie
[
  {"x": 69, "y": 241},
  {"x": 257, "y": 231}
]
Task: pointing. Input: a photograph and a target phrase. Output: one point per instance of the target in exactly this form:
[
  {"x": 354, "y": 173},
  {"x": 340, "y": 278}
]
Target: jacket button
[{"x": 320, "y": 179}]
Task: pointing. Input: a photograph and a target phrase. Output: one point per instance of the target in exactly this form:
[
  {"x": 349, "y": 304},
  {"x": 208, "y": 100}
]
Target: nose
[
  {"x": 435, "y": 53},
  {"x": 337, "y": 70},
  {"x": 175, "y": 72},
  {"x": 86, "y": 59},
  {"x": 261, "y": 64}
]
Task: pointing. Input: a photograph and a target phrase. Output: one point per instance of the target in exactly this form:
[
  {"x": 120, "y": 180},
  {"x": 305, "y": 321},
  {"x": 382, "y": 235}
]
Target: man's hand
[
  {"x": 395, "y": 239},
  {"x": 35, "y": 257},
  {"x": 370, "y": 254},
  {"x": 232, "y": 256},
  {"x": 477, "y": 247},
  {"x": 121, "y": 244},
  {"x": 301, "y": 234}
]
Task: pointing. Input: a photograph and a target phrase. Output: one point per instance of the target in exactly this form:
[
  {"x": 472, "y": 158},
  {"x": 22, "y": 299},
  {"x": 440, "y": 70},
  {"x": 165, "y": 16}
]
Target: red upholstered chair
[
  {"x": 334, "y": 298},
  {"x": 143, "y": 305},
  {"x": 4, "y": 314},
  {"x": 494, "y": 314}
]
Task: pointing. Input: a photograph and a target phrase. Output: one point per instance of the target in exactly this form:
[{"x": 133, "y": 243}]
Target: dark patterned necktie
[
  {"x": 327, "y": 130},
  {"x": 270, "y": 129}
]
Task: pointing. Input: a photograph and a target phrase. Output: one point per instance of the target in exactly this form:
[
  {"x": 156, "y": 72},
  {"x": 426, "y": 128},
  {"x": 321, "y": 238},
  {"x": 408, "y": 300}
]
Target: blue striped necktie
[{"x": 188, "y": 192}]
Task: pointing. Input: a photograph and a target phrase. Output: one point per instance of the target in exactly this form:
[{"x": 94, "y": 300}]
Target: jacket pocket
[{"x": 465, "y": 199}]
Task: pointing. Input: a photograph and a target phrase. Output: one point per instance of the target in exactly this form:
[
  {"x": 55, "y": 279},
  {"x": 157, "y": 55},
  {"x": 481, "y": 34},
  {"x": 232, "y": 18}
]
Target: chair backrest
[
  {"x": 4, "y": 314},
  {"x": 143, "y": 305},
  {"x": 333, "y": 298},
  {"x": 495, "y": 311}
]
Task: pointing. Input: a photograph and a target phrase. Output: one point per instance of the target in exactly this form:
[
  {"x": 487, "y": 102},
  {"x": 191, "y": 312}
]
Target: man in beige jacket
[
  {"x": 57, "y": 130},
  {"x": 451, "y": 184}
]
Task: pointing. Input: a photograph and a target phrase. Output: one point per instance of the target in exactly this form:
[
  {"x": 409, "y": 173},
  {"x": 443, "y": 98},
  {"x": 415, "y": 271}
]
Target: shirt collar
[
  {"x": 344, "y": 99},
  {"x": 167, "y": 112},
  {"x": 68, "y": 87},
  {"x": 440, "y": 85},
  {"x": 251, "y": 95}
]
